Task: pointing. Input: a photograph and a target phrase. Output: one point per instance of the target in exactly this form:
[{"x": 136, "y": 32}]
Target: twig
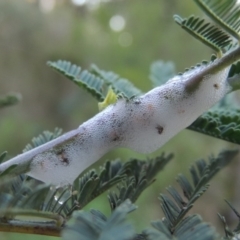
[
  {"x": 30, "y": 227},
  {"x": 143, "y": 124},
  {"x": 51, "y": 227}
]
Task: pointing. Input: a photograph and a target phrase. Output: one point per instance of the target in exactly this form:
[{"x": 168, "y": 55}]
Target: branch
[
  {"x": 29, "y": 227},
  {"x": 142, "y": 124},
  {"x": 51, "y": 227},
  {"x": 214, "y": 68}
]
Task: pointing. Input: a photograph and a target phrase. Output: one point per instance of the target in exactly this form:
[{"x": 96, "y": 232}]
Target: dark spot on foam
[
  {"x": 159, "y": 129},
  {"x": 62, "y": 156}
]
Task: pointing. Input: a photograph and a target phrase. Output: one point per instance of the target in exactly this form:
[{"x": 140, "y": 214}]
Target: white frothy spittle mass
[{"x": 142, "y": 124}]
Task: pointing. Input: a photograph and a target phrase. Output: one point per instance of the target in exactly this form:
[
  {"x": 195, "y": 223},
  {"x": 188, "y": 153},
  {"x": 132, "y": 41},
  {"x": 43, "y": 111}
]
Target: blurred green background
[{"x": 124, "y": 36}]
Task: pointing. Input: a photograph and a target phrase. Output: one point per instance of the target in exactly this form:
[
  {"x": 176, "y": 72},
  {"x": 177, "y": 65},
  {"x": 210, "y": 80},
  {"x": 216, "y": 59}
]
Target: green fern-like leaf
[
  {"x": 142, "y": 175},
  {"x": 192, "y": 227},
  {"x": 221, "y": 123},
  {"x": 206, "y": 32},
  {"x": 85, "y": 188},
  {"x": 95, "y": 81},
  {"x": 225, "y": 13},
  {"x": 118, "y": 84},
  {"x": 45, "y": 137},
  {"x": 22, "y": 194},
  {"x": 96, "y": 226},
  {"x": 91, "y": 184},
  {"x": 203, "y": 63},
  {"x": 161, "y": 72},
  {"x": 84, "y": 79},
  {"x": 176, "y": 207}
]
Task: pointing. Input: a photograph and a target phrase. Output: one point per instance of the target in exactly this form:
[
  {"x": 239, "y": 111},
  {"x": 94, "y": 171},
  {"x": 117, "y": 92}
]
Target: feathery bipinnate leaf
[
  {"x": 18, "y": 193},
  {"x": 226, "y": 13},
  {"x": 18, "y": 199},
  {"x": 175, "y": 225},
  {"x": 84, "y": 79},
  {"x": 30, "y": 195},
  {"x": 161, "y": 72},
  {"x": 95, "y": 81},
  {"x": 96, "y": 226},
  {"x": 85, "y": 188},
  {"x": 202, "y": 173},
  {"x": 206, "y": 32},
  {"x": 90, "y": 185},
  {"x": 192, "y": 227},
  {"x": 45, "y": 137},
  {"x": 143, "y": 174},
  {"x": 21, "y": 193},
  {"x": 10, "y": 99},
  {"x": 119, "y": 85},
  {"x": 222, "y": 123}
]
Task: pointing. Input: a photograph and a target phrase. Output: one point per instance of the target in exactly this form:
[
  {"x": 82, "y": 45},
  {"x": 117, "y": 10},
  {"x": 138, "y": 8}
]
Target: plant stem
[
  {"x": 50, "y": 227},
  {"x": 213, "y": 68},
  {"x": 126, "y": 124},
  {"x": 24, "y": 160},
  {"x": 28, "y": 227}
]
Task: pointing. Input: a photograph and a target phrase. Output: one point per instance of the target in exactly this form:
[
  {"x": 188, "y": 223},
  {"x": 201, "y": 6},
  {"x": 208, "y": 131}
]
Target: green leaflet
[
  {"x": 90, "y": 185},
  {"x": 20, "y": 193},
  {"x": 192, "y": 227},
  {"x": 84, "y": 79},
  {"x": 161, "y": 72},
  {"x": 143, "y": 174},
  {"x": 120, "y": 85},
  {"x": 45, "y": 137},
  {"x": 206, "y": 32},
  {"x": 176, "y": 225},
  {"x": 95, "y": 81},
  {"x": 219, "y": 11},
  {"x": 86, "y": 188},
  {"x": 222, "y": 123},
  {"x": 96, "y": 226}
]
